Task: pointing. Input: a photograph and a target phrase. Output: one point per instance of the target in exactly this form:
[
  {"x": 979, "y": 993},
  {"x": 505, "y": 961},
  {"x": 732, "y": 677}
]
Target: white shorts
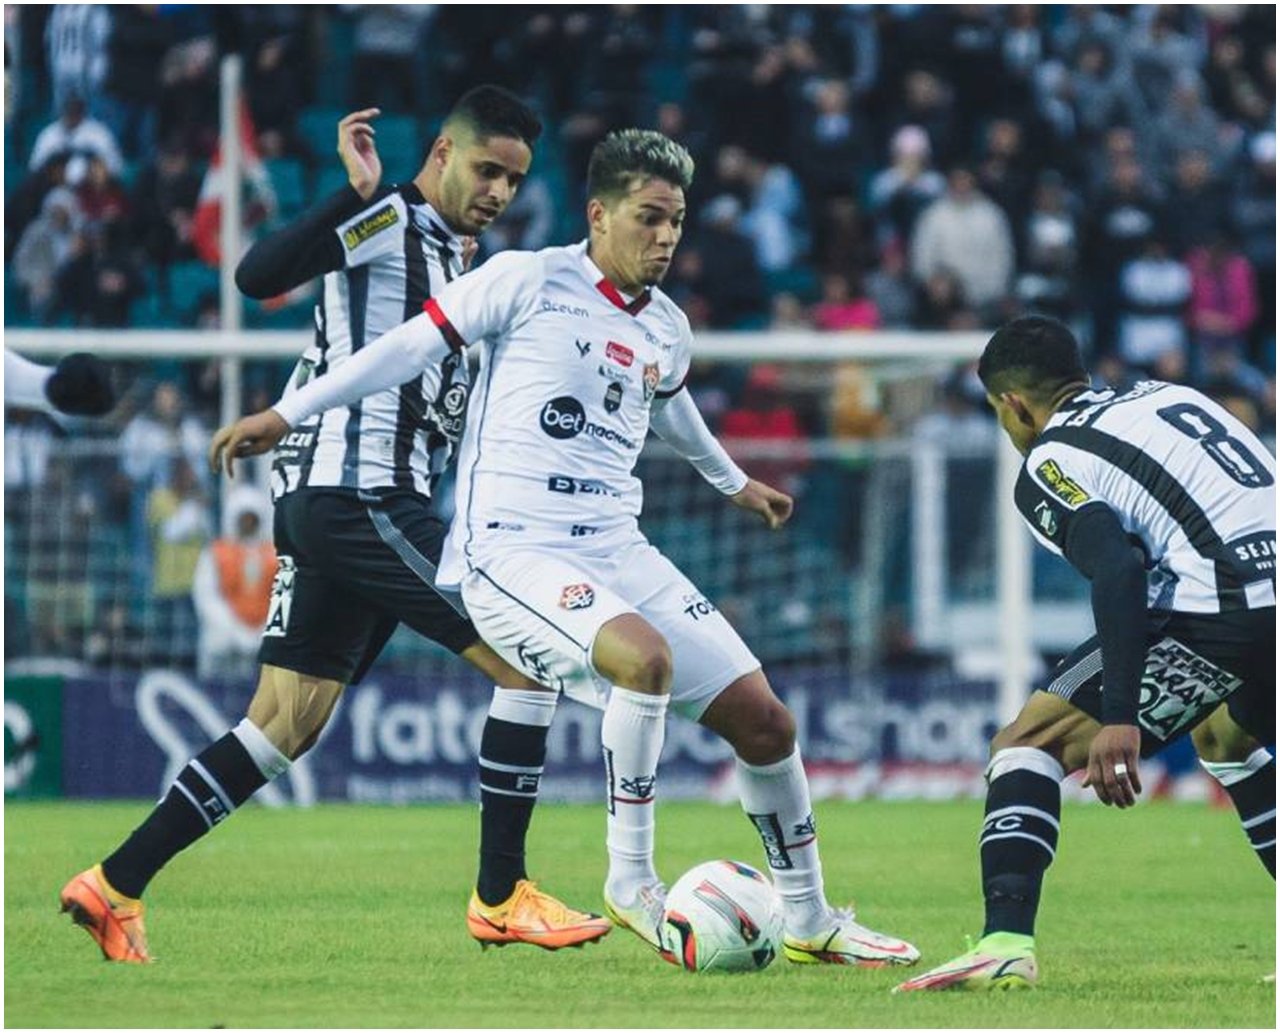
[{"x": 541, "y": 609}]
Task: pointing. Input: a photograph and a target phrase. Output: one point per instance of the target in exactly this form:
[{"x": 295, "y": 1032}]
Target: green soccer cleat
[
  {"x": 644, "y": 916},
  {"x": 999, "y": 961},
  {"x": 845, "y": 942}
]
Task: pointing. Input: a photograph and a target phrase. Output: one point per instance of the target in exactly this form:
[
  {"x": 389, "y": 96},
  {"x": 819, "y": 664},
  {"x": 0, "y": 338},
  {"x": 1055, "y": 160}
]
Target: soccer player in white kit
[{"x": 580, "y": 355}]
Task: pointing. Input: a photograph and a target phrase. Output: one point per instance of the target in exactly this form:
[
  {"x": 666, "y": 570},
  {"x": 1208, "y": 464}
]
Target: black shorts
[
  {"x": 353, "y": 565},
  {"x": 1194, "y": 663}
]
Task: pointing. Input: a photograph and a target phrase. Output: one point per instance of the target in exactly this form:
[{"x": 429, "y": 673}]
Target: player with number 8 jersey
[{"x": 1166, "y": 503}]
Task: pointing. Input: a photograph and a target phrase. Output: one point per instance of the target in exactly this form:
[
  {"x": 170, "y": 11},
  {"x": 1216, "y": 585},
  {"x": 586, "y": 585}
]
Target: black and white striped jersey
[
  {"x": 396, "y": 253},
  {"x": 1189, "y": 482}
]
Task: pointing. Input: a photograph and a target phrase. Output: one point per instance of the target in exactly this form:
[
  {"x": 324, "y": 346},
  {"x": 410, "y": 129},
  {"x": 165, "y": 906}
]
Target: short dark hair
[
  {"x": 492, "y": 111},
  {"x": 627, "y": 154},
  {"x": 1033, "y": 355}
]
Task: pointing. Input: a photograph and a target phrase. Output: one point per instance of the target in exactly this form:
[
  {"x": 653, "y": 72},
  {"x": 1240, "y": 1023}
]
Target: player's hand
[
  {"x": 1113, "y": 765},
  {"x": 81, "y": 386},
  {"x": 359, "y": 155},
  {"x": 250, "y": 436},
  {"x": 773, "y": 506},
  {"x": 469, "y": 248}
]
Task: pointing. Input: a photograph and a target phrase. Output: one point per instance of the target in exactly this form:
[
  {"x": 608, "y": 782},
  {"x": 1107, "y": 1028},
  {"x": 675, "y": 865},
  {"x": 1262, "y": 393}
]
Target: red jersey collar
[{"x": 606, "y": 287}]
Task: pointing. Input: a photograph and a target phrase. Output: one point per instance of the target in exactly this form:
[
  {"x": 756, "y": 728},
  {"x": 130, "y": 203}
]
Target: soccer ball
[{"x": 722, "y": 916}]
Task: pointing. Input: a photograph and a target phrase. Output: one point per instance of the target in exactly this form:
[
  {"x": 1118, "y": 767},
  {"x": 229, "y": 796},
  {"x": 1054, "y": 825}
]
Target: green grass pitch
[{"x": 353, "y": 916}]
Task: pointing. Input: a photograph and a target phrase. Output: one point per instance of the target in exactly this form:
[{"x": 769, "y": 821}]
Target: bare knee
[
  {"x": 292, "y": 709},
  {"x": 1219, "y": 740},
  {"x": 651, "y": 670},
  {"x": 767, "y": 735},
  {"x": 632, "y": 654}
]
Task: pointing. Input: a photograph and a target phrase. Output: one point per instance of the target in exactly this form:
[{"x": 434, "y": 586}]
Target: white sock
[
  {"x": 776, "y": 799},
  {"x": 631, "y": 734}
]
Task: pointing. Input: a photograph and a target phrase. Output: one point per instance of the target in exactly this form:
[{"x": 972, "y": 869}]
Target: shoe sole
[
  {"x": 590, "y": 936},
  {"x": 803, "y": 957}
]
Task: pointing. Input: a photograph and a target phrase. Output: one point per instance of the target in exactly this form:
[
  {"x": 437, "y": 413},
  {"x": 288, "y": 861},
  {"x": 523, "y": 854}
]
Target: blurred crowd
[{"x": 891, "y": 167}]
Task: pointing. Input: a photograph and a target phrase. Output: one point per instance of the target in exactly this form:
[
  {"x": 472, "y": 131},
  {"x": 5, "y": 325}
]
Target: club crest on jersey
[
  {"x": 619, "y": 353},
  {"x": 1061, "y": 485},
  {"x": 384, "y": 218},
  {"x": 577, "y": 597},
  {"x": 651, "y": 377},
  {"x": 1046, "y": 519},
  {"x": 613, "y": 397}
]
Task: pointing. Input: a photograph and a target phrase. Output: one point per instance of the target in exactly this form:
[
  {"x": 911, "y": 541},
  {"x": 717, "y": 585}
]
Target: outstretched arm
[
  {"x": 677, "y": 421},
  {"x": 308, "y": 247}
]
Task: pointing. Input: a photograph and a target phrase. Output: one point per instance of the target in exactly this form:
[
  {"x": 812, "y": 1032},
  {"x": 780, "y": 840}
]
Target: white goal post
[{"x": 886, "y": 354}]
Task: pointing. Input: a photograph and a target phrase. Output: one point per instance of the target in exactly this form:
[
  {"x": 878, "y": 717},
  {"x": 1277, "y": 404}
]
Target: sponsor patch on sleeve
[
  {"x": 371, "y": 225},
  {"x": 1052, "y": 476}
]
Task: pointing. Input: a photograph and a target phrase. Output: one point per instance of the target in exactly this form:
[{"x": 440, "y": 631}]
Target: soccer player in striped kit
[
  {"x": 581, "y": 353},
  {"x": 355, "y": 533},
  {"x": 1167, "y": 504}
]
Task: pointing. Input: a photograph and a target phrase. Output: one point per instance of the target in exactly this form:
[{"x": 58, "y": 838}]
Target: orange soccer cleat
[
  {"x": 531, "y": 916},
  {"x": 117, "y": 928}
]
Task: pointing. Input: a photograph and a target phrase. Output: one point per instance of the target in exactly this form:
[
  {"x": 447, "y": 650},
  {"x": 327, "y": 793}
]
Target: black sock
[
  {"x": 1019, "y": 836},
  {"x": 205, "y": 792},
  {"x": 511, "y": 759},
  {"x": 1252, "y": 788}
]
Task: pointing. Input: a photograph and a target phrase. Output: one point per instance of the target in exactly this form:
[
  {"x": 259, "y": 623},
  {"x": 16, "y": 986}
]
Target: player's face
[
  {"x": 634, "y": 239},
  {"x": 479, "y": 179},
  {"x": 1015, "y": 420}
]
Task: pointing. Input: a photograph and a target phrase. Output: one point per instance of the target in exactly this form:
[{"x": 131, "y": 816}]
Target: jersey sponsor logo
[
  {"x": 577, "y": 597},
  {"x": 281, "y": 598},
  {"x": 1254, "y": 557},
  {"x": 583, "y": 347},
  {"x": 564, "y": 418},
  {"x": 613, "y": 397},
  {"x": 651, "y": 378},
  {"x": 370, "y": 226},
  {"x": 697, "y": 607},
  {"x": 565, "y": 310},
  {"x": 1061, "y": 485},
  {"x": 612, "y": 372},
  {"x": 447, "y": 413},
  {"x": 583, "y": 531},
  {"x": 775, "y": 844},
  {"x": 575, "y": 486},
  {"x": 1178, "y": 685},
  {"x": 1046, "y": 519},
  {"x": 619, "y": 353}
]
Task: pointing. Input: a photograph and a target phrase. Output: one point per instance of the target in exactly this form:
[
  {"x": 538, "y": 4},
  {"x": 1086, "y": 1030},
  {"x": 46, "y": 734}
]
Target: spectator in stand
[
  {"x": 1197, "y": 203},
  {"x": 1253, "y": 218},
  {"x": 102, "y": 198},
  {"x": 890, "y": 288},
  {"x": 78, "y": 136},
  {"x": 386, "y": 69},
  {"x": 787, "y": 313},
  {"x": 842, "y": 307},
  {"x": 773, "y": 213},
  {"x": 831, "y": 143},
  {"x": 974, "y": 66},
  {"x": 1224, "y": 306},
  {"x": 1187, "y": 124},
  {"x": 907, "y": 187},
  {"x": 47, "y": 245},
  {"x": 1233, "y": 91},
  {"x": 76, "y": 38},
  {"x": 1088, "y": 23},
  {"x": 1022, "y": 48},
  {"x": 927, "y": 102},
  {"x": 178, "y": 525},
  {"x": 154, "y": 440},
  {"x": 24, "y": 205},
  {"x": 232, "y": 588},
  {"x": 1154, "y": 291},
  {"x": 941, "y": 304},
  {"x": 845, "y": 240},
  {"x": 164, "y": 201},
  {"x": 765, "y": 413},
  {"x": 1103, "y": 90},
  {"x": 1162, "y": 51},
  {"x": 1003, "y": 172},
  {"x": 140, "y": 36},
  {"x": 101, "y": 281},
  {"x": 189, "y": 89},
  {"x": 275, "y": 90},
  {"x": 1051, "y": 247},
  {"x": 721, "y": 268},
  {"x": 967, "y": 234}
]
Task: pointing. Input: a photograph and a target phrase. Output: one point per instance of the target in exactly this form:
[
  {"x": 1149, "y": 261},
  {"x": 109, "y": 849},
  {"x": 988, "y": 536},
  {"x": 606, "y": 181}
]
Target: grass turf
[{"x": 352, "y": 916}]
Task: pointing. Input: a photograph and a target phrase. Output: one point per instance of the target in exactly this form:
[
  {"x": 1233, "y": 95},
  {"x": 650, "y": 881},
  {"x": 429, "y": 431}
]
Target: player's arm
[
  {"x": 675, "y": 419},
  {"x": 477, "y": 304},
  {"x": 309, "y": 246},
  {"x": 1096, "y": 545}
]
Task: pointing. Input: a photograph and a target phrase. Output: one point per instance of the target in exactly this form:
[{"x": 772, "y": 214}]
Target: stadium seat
[
  {"x": 288, "y": 180},
  {"x": 188, "y": 281}
]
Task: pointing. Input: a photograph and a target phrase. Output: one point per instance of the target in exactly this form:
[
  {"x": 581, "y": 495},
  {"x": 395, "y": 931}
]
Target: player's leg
[
  {"x": 310, "y": 628},
  {"x": 399, "y": 573},
  {"x": 1247, "y": 772},
  {"x": 557, "y": 622},
  {"x": 775, "y": 796}
]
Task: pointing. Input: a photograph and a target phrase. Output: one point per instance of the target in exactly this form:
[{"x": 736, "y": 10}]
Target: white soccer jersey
[
  {"x": 397, "y": 253},
  {"x": 573, "y": 367},
  {"x": 1187, "y": 480}
]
